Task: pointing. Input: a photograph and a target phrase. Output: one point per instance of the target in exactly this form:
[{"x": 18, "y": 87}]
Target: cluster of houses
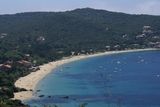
[
  {"x": 154, "y": 44},
  {"x": 22, "y": 63},
  {"x": 147, "y": 30},
  {"x": 25, "y": 63},
  {"x": 8, "y": 65}
]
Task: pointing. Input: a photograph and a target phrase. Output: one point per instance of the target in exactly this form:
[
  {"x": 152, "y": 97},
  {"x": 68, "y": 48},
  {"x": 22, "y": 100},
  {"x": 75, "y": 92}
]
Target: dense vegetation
[{"x": 30, "y": 39}]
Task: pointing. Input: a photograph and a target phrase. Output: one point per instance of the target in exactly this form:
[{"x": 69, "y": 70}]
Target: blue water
[{"x": 119, "y": 80}]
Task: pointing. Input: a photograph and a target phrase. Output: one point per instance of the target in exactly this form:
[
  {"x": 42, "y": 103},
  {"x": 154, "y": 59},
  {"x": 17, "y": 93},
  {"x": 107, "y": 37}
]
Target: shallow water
[{"x": 119, "y": 80}]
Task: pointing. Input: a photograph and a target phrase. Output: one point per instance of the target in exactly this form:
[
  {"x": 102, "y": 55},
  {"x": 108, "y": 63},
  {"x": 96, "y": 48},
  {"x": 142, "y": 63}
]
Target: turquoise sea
[{"x": 118, "y": 80}]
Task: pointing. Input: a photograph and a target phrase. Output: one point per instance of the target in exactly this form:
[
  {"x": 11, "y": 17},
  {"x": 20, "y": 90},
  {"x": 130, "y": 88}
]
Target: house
[
  {"x": 4, "y": 88},
  {"x": 125, "y": 36},
  {"x": 156, "y": 37},
  {"x": 79, "y": 54},
  {"x": 41, "y": 38},
  {"x": 5, "y": 67},
  {"x": 24, "y": 63},
  {"x": 83, "y": 51},
  {"x": 108, "y": 48},
  {"x": 136, "y": 45},
  {"x": 117, "y": 47},
  {"x": 140, "y": 36},
  {"x": 29, "y": 45},
  {"x": 147, "y": 29},
  {"x": 72, "y": 53},
  {"x": 60, "y": 52},
  {"x": 3, "y": 35},
  {"x": 154, "y": 44},
  {"x": 107, "y": 29},
  {"x": 34, "y": 68},
  {"x": 9, "y": 62},
  {"x": 157, "y": 45},
  {"x": 91, "y": 50},
  {"x": 27, "y": 55}
]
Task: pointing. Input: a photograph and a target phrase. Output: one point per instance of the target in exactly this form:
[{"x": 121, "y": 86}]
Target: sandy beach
[{"x": 30, "y": 81}]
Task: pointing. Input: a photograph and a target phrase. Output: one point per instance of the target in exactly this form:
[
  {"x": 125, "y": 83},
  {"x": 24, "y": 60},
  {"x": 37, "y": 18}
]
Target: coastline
[{"x": 30, "y": 81}]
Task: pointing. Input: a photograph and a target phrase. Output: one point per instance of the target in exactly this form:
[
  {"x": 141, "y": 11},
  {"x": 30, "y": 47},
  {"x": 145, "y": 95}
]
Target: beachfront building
[
  {"x": 117, "y": 47},
  {"x": 72, "y": 53},
  {"x": 108, "y": 48},
  {"x": 24, "y": 63}
]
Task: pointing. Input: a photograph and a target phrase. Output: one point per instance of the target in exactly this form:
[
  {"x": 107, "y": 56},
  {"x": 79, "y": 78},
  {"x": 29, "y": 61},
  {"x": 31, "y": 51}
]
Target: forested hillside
[{"x": 30, "y": 39}]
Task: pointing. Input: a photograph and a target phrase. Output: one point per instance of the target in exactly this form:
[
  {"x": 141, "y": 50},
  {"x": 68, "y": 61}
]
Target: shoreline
[{"x": 30, "y": 81}]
